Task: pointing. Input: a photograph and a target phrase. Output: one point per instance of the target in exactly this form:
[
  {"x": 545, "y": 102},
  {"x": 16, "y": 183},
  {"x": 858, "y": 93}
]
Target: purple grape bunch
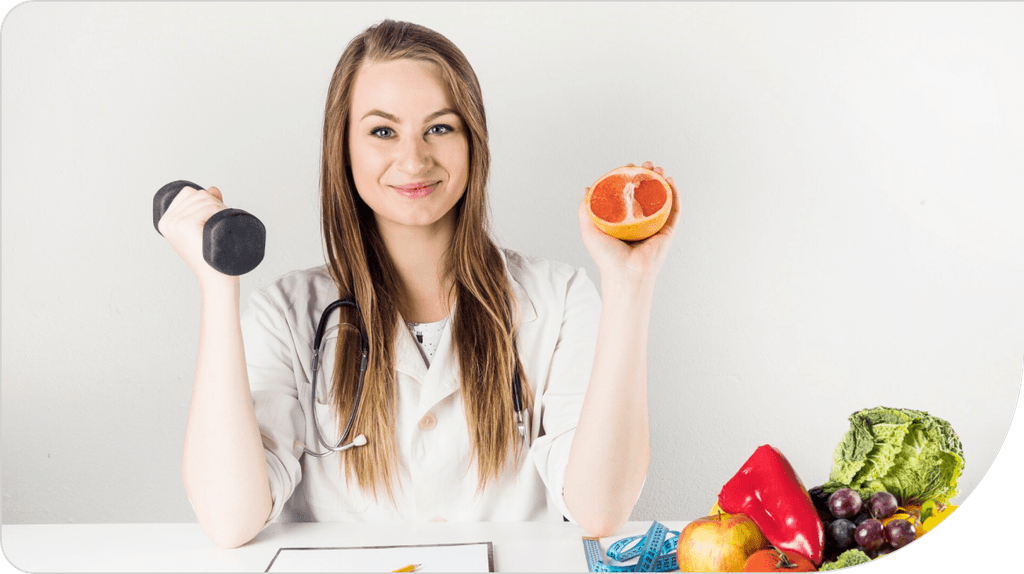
[{"x": 851, "y": 522}]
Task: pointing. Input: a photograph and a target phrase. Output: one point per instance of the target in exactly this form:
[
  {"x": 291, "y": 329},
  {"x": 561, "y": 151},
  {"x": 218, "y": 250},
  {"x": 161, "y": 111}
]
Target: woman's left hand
[{"x": 633, "y": 260}]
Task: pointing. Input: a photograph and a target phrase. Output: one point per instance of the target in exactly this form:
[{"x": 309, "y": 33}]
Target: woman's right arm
[{"x": 223, "y": 465}]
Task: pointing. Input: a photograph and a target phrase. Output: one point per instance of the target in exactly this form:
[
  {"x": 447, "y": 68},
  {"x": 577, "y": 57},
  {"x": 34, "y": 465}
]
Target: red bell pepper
[{"x": 769, "y": 492}]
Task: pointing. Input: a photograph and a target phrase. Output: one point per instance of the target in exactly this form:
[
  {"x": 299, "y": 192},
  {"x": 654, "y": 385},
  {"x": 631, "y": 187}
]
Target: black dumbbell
[{"x": 233, "y": 240}]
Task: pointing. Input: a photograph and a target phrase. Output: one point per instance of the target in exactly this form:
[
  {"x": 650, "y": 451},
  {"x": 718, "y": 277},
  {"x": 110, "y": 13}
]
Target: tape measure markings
[
  {"x": 655, "y": 538},
  {"x": 657, "y": 554}
]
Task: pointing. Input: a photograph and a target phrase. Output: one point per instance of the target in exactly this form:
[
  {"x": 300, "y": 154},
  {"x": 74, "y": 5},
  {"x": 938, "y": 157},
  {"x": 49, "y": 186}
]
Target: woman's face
[{"x": 408, "y": 148}]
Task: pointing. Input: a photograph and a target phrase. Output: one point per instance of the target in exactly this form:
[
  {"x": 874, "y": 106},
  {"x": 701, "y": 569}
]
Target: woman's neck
[{"x": 418, "y": 254}]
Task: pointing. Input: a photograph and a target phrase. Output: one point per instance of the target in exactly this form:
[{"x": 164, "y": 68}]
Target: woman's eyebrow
[
  {"x": 439, "y": 113},
  {"x": 382, "y": 114},
  {"x": 392, "y": 118}
]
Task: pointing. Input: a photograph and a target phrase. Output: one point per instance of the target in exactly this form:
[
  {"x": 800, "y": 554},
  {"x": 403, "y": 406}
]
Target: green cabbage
[
  {"x": 849, "y": 558},
  {"x": 911, "y": 454}
]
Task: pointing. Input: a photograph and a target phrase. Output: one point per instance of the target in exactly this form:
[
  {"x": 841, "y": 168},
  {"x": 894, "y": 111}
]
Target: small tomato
[{"x": 775, "y": 560}]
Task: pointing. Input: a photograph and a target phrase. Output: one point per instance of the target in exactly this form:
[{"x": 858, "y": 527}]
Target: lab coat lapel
[
  {"x": 442, "y": 377},
  {"x": 408, "y": 359}
]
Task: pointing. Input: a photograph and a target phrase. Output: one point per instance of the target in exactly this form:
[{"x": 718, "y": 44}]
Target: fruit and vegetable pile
[{"x": 892, "y": 479}]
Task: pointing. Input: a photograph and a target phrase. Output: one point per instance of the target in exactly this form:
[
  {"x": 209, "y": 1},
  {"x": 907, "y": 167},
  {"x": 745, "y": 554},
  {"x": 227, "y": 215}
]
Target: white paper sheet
[{"x": 474, "y": 557}]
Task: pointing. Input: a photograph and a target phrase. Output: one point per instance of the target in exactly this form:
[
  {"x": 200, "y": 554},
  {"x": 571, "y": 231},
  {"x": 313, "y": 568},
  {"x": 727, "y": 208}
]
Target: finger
[
  {"x": 648, "y": 165},
  {"x": 673, "y": 215},
  {"x": 202, "y": 202},
  {"x": 187, "y": 198},
  {"x": 584, "y": 220},
  {"x": 586, "y": 224},
  {"x": 189, "y": 227},
  {"x": 184, "y": 202},
  {"x": 189, "y": 205},
  {"x": 214, "y": 191}
]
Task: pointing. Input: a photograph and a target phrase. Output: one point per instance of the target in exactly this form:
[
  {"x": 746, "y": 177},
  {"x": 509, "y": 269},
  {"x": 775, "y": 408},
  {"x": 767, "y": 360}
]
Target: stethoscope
[{"x": 522, "y": 415}]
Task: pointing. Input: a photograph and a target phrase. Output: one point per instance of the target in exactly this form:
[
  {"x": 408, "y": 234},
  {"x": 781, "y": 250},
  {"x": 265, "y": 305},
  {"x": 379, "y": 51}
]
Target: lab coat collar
[{"x": 524, "y": 305}]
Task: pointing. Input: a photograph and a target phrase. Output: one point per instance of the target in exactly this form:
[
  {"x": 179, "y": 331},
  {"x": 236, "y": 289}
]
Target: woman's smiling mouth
[{"x": 416, "y": 190}]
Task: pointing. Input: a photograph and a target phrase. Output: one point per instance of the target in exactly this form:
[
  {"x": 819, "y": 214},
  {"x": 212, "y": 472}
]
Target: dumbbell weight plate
[{"x": 233, "y": 240}]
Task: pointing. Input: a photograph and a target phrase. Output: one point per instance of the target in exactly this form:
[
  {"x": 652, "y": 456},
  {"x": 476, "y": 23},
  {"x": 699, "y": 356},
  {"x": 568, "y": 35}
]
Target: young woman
[{"x": 463, "y": 341}]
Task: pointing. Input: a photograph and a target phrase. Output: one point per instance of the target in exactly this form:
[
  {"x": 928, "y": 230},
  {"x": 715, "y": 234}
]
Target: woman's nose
[{"x": 414, "y": 156}]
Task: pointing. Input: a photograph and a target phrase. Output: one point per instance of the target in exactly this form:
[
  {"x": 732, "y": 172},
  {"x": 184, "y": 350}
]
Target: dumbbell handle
[{"x": 233, "y": 240}]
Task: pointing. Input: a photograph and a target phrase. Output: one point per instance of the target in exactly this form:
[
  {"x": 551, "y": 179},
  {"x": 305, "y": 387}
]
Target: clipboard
[{"x": 455, "y": 557}]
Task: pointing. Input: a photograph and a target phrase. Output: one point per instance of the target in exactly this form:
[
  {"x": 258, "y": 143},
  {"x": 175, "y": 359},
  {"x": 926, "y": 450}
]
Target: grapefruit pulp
[{"x": 630, "y": 203}]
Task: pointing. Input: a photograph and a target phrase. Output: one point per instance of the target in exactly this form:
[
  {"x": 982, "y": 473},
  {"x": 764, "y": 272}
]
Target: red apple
[{"x": 719, "y": 543}]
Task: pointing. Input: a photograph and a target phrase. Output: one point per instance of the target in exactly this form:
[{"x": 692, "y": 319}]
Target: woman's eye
[
  {"x": 440, "y": 129},
  {"x": 382, "y": 132}
]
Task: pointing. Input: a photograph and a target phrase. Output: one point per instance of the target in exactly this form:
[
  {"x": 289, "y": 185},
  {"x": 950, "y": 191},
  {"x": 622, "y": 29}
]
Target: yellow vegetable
[
  {"x": 932, "y": 513},
  {"x": 716, "y": 510},
  {"x": 908, "y": 517}
]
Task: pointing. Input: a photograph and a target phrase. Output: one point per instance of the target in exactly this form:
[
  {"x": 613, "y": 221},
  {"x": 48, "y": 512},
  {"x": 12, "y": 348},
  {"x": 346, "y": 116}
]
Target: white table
[{"x": 518, "y": 547}]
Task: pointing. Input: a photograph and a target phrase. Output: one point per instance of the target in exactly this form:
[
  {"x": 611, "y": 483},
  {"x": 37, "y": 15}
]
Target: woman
[{"x": 451, "y": 323}]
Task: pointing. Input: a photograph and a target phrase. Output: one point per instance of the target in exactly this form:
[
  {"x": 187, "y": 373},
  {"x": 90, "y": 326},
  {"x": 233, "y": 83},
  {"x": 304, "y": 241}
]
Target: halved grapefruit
[{"x": 630, "y": 203}]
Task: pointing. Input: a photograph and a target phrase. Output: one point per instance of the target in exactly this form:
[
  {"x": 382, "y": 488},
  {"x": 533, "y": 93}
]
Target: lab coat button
[{"x": 428, "y": 422}]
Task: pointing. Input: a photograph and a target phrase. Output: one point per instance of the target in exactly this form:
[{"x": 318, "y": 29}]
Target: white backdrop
[{"x": 851, "y": 233}]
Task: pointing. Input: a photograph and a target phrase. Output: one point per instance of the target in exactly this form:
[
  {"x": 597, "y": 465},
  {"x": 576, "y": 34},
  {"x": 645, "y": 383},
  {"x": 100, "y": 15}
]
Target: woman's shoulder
[
  {"x": 299, "y": 289},
  {"x": 522, "y": 265},
  {"x": 542, "y": 276}
]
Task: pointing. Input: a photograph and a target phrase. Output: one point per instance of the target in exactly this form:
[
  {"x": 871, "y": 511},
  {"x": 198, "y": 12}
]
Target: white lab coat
[{"x": 559, "y": 311}]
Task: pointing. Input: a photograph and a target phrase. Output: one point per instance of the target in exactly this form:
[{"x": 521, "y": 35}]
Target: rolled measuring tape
[{"x": 656, "y": 551}]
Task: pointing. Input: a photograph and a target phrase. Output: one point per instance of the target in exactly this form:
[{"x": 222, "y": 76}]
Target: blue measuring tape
[{"x": 656, "y": 551}]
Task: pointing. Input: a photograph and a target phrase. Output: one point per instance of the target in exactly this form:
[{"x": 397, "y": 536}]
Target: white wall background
[{"x": 851, "y": 182}]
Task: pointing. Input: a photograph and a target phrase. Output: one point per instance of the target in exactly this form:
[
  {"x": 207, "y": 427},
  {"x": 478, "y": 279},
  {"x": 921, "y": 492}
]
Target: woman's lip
[
  {"x": 416, "y": 190},
  {"x": 415, "y": 186}
]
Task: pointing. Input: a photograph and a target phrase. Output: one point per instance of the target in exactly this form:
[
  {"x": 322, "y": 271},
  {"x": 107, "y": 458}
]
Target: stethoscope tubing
[{"x": 364, "y": 351}]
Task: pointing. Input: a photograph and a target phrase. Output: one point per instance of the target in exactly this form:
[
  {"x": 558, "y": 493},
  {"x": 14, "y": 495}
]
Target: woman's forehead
[{"x": 407, "y": 89}]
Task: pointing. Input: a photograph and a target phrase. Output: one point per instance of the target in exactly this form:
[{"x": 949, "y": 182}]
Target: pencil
[{"x": 409, "y": 568}]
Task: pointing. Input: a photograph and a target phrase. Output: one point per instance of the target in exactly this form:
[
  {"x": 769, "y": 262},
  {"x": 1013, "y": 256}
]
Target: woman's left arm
[{"x": 610, "y": 452}]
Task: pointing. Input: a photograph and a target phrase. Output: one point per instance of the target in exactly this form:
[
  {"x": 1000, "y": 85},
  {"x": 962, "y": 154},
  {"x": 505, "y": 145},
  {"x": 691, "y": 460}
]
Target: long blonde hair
[{"x": 483, "y": 325}]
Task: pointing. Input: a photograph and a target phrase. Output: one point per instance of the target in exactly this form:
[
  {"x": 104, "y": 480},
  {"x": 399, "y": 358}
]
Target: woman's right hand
[{"x": 182, "y": 225}]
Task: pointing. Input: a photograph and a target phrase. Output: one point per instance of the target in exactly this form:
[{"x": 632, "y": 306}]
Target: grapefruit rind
[{"x": 630, "y": 218}]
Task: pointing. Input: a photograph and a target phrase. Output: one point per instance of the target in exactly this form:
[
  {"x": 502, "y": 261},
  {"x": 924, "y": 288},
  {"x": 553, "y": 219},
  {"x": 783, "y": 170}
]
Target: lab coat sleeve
[
  {"x": 269, "y": 354},
  {"x": 566, "y": 385}
]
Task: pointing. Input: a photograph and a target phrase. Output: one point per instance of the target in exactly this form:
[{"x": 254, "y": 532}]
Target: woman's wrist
[
  {"x": 627, "y": 287},
  {"x": 220, "y": 289}
]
